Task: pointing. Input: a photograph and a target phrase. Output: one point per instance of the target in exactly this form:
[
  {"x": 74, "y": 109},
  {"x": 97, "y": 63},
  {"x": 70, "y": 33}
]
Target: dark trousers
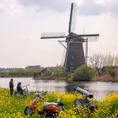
[{"x": 11, "y": 91}]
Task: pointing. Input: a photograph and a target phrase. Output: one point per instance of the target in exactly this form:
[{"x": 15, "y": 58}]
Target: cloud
[
  {"x": 93, "y": 7},
  {"x": 58, "y": 5},
  {"x": 88, "y": 7},
  {"x": 10, "y": 6},
  {"x": 113, "y": 7}
]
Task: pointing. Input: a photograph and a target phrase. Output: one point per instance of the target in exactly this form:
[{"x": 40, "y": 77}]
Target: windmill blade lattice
[
  {"x": 90, "y": 37},
  {"x": 50, "y": 35}
]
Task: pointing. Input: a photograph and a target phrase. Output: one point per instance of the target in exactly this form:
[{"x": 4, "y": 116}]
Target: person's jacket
[
  {"x": 19, "y": 88},
  {"x": 11, "y": 85}
]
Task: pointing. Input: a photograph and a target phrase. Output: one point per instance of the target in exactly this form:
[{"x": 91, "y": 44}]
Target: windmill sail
[
  {"x": 84, "y": 37},
  {"x": 72, "y": 21},
  {"x": 89, "y": 37},
  {"x": 52, "y": 35}
]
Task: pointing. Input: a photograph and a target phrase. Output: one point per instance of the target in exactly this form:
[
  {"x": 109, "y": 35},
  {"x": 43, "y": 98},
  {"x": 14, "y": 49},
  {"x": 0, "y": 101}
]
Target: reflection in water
[
  {"x": 98, "y": 89},
  {"x": 50, "y": 85}
]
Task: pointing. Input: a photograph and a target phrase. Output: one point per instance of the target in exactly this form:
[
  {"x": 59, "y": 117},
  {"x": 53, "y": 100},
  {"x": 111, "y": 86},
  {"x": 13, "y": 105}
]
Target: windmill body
[{"x": 75, "y": 56}]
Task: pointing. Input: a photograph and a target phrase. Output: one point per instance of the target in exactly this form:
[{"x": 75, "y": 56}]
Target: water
[
  {"x": 98, "y": 89},
  {"x": 41, "y": 85}
]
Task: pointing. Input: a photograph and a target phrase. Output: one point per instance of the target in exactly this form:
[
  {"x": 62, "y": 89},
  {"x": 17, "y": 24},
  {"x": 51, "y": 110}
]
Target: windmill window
[
  {"x": 72, "y": 57},
  {"x": 71, "y": 69},
  {"x": 72, "y": 64}
]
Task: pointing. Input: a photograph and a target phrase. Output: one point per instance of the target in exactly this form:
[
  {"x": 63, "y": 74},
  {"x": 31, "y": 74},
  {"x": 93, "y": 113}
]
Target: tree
[
  {"x": 109, "y": 60},
  {"x": 84, "y": 73},
  {"x": 116, "y": 61},
  {"x": 100, "y": 60},
  {"x": 97, "y": 60}
]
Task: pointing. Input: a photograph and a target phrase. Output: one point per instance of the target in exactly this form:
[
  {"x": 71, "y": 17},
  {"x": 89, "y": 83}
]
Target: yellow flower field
[{"x": 13, "y": 106}]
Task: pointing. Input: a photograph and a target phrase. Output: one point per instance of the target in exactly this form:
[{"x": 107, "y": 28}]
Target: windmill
[{"x": 74, "y": 50}]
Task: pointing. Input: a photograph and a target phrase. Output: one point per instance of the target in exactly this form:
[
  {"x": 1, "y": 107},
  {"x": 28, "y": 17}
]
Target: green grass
[{"x": 13, "y": 106}]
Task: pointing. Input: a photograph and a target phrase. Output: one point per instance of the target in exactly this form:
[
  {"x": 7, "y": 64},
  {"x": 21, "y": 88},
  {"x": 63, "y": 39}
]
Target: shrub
[
  {"x": 103, "y": 77},
  {"x": 111, "y": 70},
  {"x": 84, "y": 73}
]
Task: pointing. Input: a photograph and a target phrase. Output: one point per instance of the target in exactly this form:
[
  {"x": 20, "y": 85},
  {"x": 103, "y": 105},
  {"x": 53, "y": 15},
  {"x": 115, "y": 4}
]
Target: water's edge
[{"x": 98, "y": 89}]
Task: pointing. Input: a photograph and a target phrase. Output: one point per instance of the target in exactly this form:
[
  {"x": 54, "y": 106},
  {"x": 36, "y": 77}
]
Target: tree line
[{"x": 99, "y": 66}]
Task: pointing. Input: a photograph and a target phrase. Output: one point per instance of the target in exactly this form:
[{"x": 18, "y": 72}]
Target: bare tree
[
  {"x": 100, "y": 60},
  {"x": 109, "y": 60},
  {"x": 97, "y": 60},
  {"x": 116, "y": 61}
]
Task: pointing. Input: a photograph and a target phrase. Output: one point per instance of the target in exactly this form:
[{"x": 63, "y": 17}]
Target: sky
[{"x": 23, "y": 21}]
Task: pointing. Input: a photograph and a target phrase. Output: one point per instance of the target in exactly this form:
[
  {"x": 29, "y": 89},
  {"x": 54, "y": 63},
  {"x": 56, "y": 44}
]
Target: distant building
[
  {"x": 36, "y": 66},
  {"x": 41, "y": 73}
]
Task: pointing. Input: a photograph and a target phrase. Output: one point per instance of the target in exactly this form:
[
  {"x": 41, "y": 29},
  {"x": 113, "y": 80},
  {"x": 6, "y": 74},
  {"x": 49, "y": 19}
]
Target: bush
[
  {"x": 111, "y": 70},
  {"x": 104, "y": 78},
  {"x": 84, "y": 73}
]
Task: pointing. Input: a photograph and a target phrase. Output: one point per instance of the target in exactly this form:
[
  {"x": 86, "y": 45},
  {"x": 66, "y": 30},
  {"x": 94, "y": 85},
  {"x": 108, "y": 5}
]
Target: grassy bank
[
  {"x": 105, "y": 78},
  {"x": 13, "y": 106},
  {"x": 83, "y": 73},
  {"x": 23, "y": 72}
]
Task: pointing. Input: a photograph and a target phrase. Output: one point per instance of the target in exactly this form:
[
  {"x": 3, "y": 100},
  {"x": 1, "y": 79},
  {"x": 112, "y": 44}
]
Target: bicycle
[{"x": 25, "y": 92}]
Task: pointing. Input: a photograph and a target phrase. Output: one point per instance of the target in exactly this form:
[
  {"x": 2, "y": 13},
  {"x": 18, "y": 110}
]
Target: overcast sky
[{"x": 22, "y": 21}]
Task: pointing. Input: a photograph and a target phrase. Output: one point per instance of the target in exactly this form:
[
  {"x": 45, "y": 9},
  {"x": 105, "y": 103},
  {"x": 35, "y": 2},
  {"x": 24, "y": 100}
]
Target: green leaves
[{"x": 84, "y": 73}]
